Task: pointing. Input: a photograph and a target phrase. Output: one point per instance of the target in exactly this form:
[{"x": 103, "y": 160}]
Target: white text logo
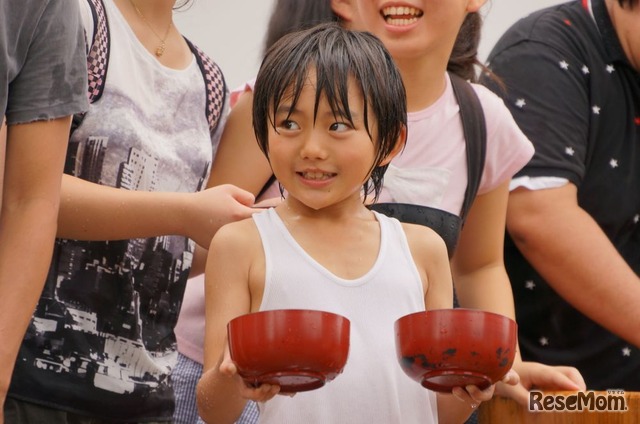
[{"x": 609, "y": 401}]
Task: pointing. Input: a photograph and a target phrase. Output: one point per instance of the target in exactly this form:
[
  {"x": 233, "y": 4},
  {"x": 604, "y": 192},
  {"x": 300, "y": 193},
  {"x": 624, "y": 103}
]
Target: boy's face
[{"x": 321, "y": 163}]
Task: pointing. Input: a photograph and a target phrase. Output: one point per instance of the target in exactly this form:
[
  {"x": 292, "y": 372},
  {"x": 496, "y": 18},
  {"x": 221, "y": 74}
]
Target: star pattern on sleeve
[
  {"x": 610, "y": 69},
  {"x": 613, "y": 163},
  {"x": 596, "y": 109},
  {"x": 564, "y": 65},
  {"x": 636, "y": 219},
  {"x": 530, "y": 284},
  {"x": 543, "y": 341},
  {"x": 569, "y": 151},
  {"x": 626, "y": 351},
  {"x": 521, "y": 103},
  {"x": 585, "y": 70}
]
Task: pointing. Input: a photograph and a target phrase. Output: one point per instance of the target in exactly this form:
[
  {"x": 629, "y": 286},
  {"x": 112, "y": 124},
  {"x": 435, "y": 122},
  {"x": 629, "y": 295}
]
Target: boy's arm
[
  {"x": 234, "y": 252},
  {"x": 429, "y": 253},
  {"x": 226, "y": 297}
]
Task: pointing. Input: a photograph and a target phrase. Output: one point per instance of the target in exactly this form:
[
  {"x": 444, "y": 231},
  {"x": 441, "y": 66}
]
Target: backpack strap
[
  {"x": 215, "y": 85},
  {"x": 97, "y": 57},
  {"x": 98, "y": 53},
  {"x": 475, "y": 135}
]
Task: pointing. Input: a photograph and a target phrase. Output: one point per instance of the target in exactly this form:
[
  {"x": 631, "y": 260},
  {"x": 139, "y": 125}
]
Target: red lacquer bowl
[
  {"x": 297, "y": 349},
  {"x": 445, "y": 348}
]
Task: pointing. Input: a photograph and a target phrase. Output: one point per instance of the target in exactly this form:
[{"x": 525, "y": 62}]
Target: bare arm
[
  {"x": 430, "y": 255},
  {"x": 239, "y": 160},
  {"x": 3, "y": 147},
  {"x": 482, "y": 282},
  {"x": 227, "y": 296},
  {"x": 572, "y": 253},
  {"x": 91, "y": 211},
  {"x": 479, "y": 274},
  {"x": 35, "y": 154}
]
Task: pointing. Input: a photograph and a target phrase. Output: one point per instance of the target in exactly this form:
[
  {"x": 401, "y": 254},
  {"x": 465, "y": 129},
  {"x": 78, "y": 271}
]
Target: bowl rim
[
  {"x": 288, "y": 311},
  {"x": 453, "y": 310}
]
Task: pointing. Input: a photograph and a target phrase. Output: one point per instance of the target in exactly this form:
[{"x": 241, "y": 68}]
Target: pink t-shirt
[
  {"x": 431, "y": 171},
  {"x": 190, "y": 327},
  {"x": 432, "y": 168}
]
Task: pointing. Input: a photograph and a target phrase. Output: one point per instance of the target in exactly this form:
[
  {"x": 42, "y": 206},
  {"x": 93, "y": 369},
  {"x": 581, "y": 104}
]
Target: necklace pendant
[{"x": 160, "y": 50}]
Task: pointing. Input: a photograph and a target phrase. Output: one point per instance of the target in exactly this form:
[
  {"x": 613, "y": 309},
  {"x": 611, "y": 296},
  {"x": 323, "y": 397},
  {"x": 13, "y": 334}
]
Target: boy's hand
[
  {"x": 473, "y": 396},
  {"x": 262, "y": 393}
]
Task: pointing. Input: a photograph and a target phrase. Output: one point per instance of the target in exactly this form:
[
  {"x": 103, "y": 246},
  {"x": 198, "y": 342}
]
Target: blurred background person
[
  {"x": 42, "y": 83},
  {"x": 572, "y": 77}
]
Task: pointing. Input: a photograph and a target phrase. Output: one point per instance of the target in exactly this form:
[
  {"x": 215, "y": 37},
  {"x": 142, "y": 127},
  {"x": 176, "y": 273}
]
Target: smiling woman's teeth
[{"x": 401, "y": 15}]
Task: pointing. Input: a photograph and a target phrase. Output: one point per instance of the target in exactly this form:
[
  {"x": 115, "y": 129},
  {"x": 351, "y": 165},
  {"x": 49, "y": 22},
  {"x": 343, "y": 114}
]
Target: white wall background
[{"x": 231, "y": 32}]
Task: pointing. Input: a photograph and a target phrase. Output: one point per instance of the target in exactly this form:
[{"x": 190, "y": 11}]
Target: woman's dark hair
[
  {"x": 464, "y": 57},
  {"x": 293, "y": 15},
  {"x": 338, "y": 57},
  {"x": 464, "y": 60}
]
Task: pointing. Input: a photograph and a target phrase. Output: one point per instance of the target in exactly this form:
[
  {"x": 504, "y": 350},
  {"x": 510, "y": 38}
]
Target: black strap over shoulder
[{"x": 475, "y": 134}]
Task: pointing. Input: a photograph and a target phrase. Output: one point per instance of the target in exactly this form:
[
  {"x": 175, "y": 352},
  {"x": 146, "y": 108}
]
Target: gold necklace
[{"x": 162, "y": 46}]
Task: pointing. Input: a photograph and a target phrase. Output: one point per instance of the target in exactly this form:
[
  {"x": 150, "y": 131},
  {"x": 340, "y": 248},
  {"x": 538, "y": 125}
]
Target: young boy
[{"x": 330, "y": 114}]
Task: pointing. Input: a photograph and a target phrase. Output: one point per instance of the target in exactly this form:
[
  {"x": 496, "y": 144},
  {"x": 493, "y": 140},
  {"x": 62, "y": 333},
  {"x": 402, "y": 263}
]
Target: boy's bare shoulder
[
  {"x": 423, "y": 239},
  {"x": 236, "y": 235}
]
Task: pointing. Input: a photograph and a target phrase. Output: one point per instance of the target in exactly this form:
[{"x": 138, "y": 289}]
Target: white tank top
[{"x": 372, "y": 388}]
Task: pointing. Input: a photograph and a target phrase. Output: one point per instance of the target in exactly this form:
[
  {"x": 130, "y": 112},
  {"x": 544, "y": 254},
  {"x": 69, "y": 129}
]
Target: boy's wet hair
[{"x": 338, "y": 57}]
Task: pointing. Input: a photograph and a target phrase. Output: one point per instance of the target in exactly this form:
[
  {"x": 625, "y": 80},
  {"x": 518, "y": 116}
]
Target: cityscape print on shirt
[{"x": 107, "y": 312}]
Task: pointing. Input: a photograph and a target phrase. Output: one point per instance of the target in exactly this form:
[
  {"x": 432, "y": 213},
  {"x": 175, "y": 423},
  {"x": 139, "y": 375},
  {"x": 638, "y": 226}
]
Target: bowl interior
[
  {"x": 446, "y": 348},
  {"x": 297, "y": 349}
]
